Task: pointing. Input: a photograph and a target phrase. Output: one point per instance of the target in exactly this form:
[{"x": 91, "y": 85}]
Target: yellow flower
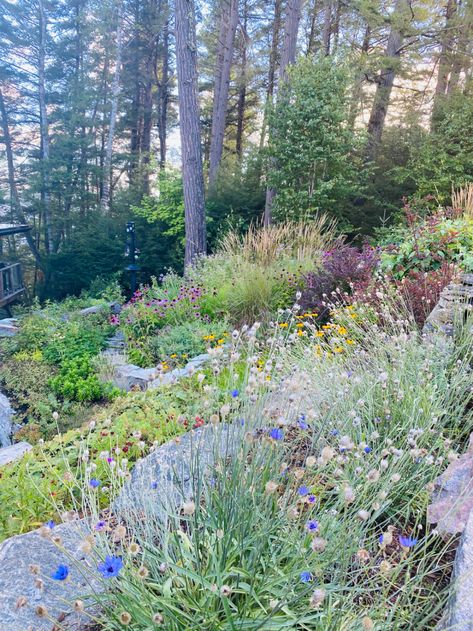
[
  {"x": 173, "y": 356},
  {"x": 338, "y": 349},
  {"x": 220, "y": 342},
  {"x": 299, "y": 325},
  {"x": 300, "y": 333},
  {"x": 342, "y": 330},
  {"x": 350, "y": 342},
  {"x": 283, "y": 325}
]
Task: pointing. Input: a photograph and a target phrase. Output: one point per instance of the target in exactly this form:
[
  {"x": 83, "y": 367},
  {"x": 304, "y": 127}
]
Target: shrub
[{"x": 77, "y": 381}]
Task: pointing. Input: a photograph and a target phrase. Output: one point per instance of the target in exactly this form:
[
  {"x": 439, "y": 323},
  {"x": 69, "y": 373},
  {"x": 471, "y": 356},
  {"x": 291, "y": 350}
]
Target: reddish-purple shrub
[{"x": 342, "y": 267}]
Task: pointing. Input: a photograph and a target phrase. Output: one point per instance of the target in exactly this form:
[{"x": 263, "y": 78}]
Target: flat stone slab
[
  {"x": 459, "y": 615},
  {"x": 6, "y": 420},
  {"x": 8, "y": 327},
  {"x": 14, "y": 452},
  {"x": 17, "y": 581},
  {"x": 453, "y": 495}
]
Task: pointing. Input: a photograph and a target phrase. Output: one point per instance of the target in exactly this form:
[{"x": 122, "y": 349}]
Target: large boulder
[{"x": 14, "y": 452}]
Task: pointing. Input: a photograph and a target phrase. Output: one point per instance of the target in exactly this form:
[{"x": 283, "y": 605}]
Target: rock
[
  {"x": 459, "y": 614},
  {"x": 113, "y": 307},
  {"x": 14, "y": 452},
  {"x": 8, "y": 327},
  {"x": 16, "y": 579},
  {"x": 129, "y": 376},
  {"x": 455, "y": 301},
  {"x": 453, "y": 495},
  {"x": 6, "y": 416},
  {"x": 164, "y": 479}
]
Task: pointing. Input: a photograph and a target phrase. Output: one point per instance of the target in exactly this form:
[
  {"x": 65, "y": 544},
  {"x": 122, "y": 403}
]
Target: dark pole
[{"x": 132, "y": 253}]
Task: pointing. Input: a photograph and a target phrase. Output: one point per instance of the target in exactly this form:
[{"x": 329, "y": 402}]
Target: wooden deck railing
[{"x": 11, "y": 283}]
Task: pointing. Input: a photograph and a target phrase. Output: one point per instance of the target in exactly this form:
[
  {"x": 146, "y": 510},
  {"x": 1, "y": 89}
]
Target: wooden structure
[{"x": 11, "y": 278}]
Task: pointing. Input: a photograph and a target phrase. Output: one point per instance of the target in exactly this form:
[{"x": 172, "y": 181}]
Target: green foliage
[
  {"x": 50, "y": 475},
  {"x": 177, "y": 344},
  {"x": 445, "y": 158},
  {"x": 77, "y": 381},
  {"x": 429, "y": 243},
  {"x": 312, "y": 164}
]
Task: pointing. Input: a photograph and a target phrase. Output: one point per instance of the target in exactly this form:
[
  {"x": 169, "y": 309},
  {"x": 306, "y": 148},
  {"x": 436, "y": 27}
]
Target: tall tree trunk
[
  {"x": 228, "y": 24},
  {"x": 327, "y": 31},
  {"x": 462, "y": 53},
  {"x": 15, "y": 198},
  {"x": 273, "y": 61},
  {"x": 288, "y": 57},
  {"x": 385, "y": 81},
  {"x": 336, "y": 24},
  {"x": 107, "y": 163},
  {"x": 312, "y": 32},
  {"x": 44, "y": 126},
  {"x": 242, "y": 83},
  {"x": 192, "y": 170},
  {"x": 163, "y": 96},
  {"x": 445, "y": 59},
  {"x": 358, "y": 87}
]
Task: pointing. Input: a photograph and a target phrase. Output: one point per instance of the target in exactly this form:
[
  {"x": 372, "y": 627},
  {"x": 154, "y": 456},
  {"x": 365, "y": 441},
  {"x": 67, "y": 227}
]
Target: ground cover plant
[{"x": 318, "y": 518}]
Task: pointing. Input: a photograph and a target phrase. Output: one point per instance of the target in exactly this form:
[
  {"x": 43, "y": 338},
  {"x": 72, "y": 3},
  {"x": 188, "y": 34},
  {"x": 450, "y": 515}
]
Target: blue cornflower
[
  {"x": 110, "y": 567},
  {"x": 276, "y": 433},
  {"x": 334, "y": 432},
  {"x": 94, "y": 483},
  {"x": 235, "y": 393},
  {"x": 154, "y": 485},
  {"x": 242, "y": 422},
  {"x": 367, "y": 450},
  {"x": 312, "y": 525},
  {"x": 407, "y": 542},
  {"x": 100, "y": 525},
  {"x": 61, "y": 573},
  {"x": 303, "y": 490},
  {"x": 306, "y": 577},
  {"x": 302, "y": 424},
  {"x": 311, "y": 498},
  {"x": 50, "y": 524}
]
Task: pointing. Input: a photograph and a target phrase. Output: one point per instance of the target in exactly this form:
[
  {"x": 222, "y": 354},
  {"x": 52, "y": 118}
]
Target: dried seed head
[
  {"x": 158, "y": 618},
  {"x": 318, "y": 597},
  {"x": 188, "y": 508},
  {"x": 125, "y": 618},
  {"x": 367, "y": 624},
  {"x": 41, "y": 611},
  {"x": 225, "y": 590},
  {"x": 21, "y": 602},
  {"x": 78, "y": 606},
  {"x": 318, "y": 544}
]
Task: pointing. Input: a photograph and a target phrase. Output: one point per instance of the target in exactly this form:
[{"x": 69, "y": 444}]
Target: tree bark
[
  {"x": 15, "y": 197},
  {"x": 288, "y": 57},
  {"x": 192, "y": 170},
  {"x": 273, "y": 61},
  {"x": 44, "y": 125},
  {"x": 358, "y": 87},
  {"x": 107, "y": 163},
  {"x": 445, "y": 59},
  {"x": 327, "y": 31},
  {"x": 228, "y": 24},
  {"x": 242, "y": 84},
  {"x": 163, "y": 97},
  {"x": 385, "y": 82}
]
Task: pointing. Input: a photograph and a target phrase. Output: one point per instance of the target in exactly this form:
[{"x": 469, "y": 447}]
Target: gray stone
[
  {"x": 14, "y": 452},
  {"x": 453, "y": 495},
  {"x": 8, "y": 327},
  {"x": 459, "y": 614},
  {"x": 163, "y": 480},
  {"x": 455, "y": 302},
  {"x": 128, "y": 377},
  {"x": 6, "y": 416},
  {"x": 113, "y": 307},
  {"x": 16, "y": 579}
]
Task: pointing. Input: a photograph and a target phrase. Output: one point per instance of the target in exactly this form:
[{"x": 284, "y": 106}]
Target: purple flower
[
  {"x": 94, "y": 483},
  {"x": 276, "y": 433},
  {"x": 381, "y": 539},
  {"x": 50, "y": 524},
  {"x": 407, "y": 542},
  {"x": 61, "y": 573},
  {"x": 235, "y": 393},
  {"x": 312, "y": 525},
  {"x": 306, "y": 577},
  {"x": 302, "y": 424},
  {"x": 110, "y": 567},
  {"x": 303, "y": 490},
  {"x": 367, "y": 449},
  {"x": 311, "y": 498},
  {"x": 154, "y": 485},
  {"x": 100, "y": 525}
]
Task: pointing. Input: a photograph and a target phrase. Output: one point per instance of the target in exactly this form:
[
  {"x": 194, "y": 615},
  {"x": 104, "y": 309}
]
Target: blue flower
[
  {"x": 306, "y": 577},
  {"x": 302, "y": 424},
  {"x": 235, "y": 393},
  {"x": 61, "y": 573},
  {"x": 50, "y": 524},
  {"x": 311, "y": 498},
  {"x": 312, "y": 525},
  {"x": 381, "y": 539},
  {"x": 154, "y": 485},
  {"x": 94, "y": 483},
  {"x": 303, "y": 490},
  {"x": 100, "y": 525},
  {"x": 110, "y": 567},
  {"x": 276, "y": 433},
  {"x": 367, "y": 449},
  {"x": 334, "y": 432},
  {"x": 407, "y": 542}
]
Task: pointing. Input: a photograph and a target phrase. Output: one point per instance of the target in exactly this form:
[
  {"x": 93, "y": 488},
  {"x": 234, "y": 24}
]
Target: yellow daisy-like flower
[
  {"x": 220, "y": 341},
  {"x": 350, "y": 342},
  {"x": 338, "y": 349},
  {"x": 283, "y": 325},
  {"x": 173, "y": 356},
  {"x": 319, "y": 334},
  {"x": 300, "y": 325},
  {"x": 342, "y": 330}
]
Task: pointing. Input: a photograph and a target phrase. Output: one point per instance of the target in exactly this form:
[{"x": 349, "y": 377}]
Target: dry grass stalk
[
  {"x": 267, "y": 244},
  {"x": 462, "y": 199}
]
